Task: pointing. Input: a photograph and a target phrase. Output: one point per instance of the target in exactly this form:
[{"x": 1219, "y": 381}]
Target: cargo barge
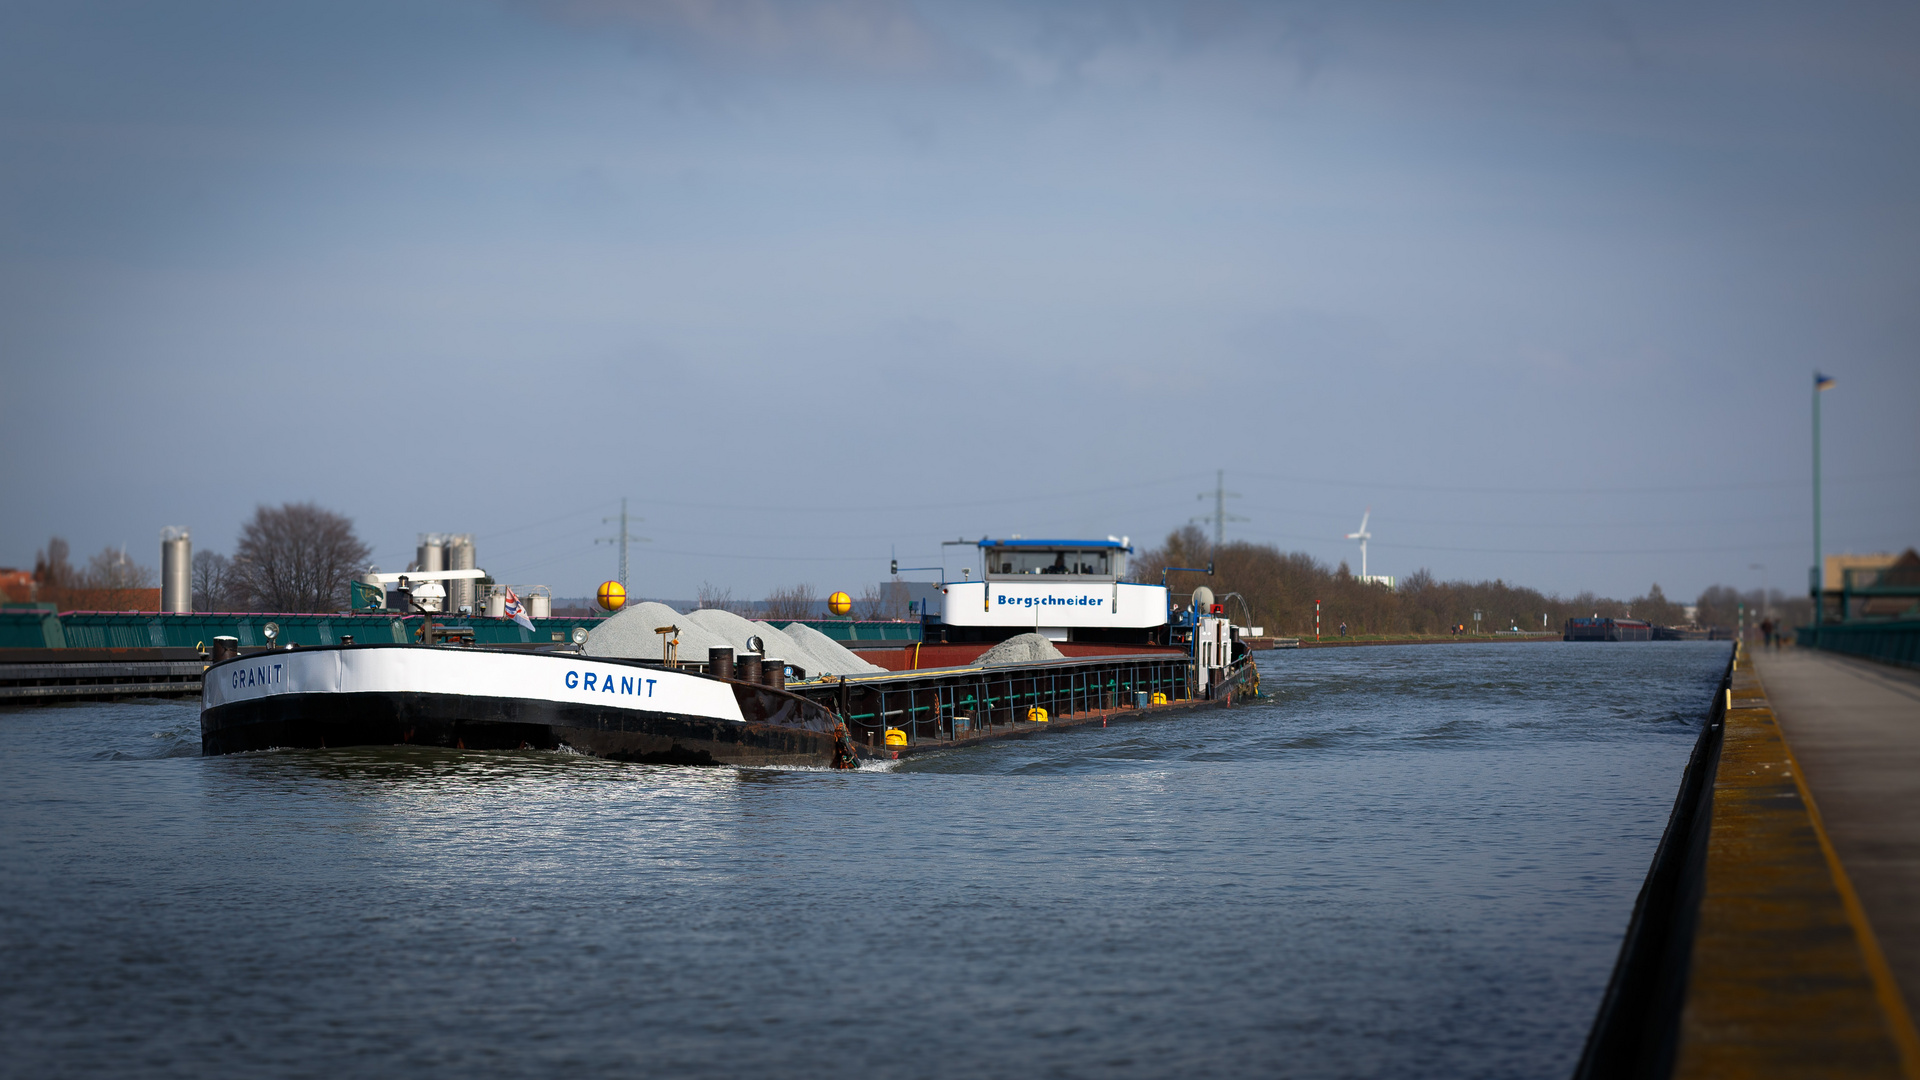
[
  {"x": 1131, "y": 655},
  {"x": 1599, "y": 629}
]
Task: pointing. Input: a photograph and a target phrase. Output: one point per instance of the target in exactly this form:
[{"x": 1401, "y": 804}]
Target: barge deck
[{"x": 942, "y": 708}]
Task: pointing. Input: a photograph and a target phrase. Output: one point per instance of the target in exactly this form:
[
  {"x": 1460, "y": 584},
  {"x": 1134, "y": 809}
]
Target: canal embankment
[{"x": 1750, "y": 951}]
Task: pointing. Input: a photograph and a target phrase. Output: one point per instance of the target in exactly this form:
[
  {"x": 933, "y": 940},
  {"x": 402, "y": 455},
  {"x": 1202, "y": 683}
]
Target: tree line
[
  {"x": 109, "y": 581},
  {"x": 299, "y": 557},
  {"x": 1277, "y": 590},
  {"x": 296, "y": 557}
]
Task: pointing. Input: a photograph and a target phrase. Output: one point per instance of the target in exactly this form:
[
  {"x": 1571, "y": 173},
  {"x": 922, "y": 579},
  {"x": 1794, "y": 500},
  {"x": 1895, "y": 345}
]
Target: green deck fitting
[
  {"x": 507, "y": 632},
  {"x": 127, "y": 630},
  {"x": 31, "y": 626},
  {"x": 853, "y": 631},
  {"x": 39, "y": 628}
]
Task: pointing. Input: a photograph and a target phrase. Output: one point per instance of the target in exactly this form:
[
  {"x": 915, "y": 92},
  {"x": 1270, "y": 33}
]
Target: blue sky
[{"x": 813, "y": 283}]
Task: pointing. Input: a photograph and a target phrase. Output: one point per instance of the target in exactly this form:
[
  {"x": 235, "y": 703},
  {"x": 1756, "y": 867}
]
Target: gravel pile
[
  {"x": 629, "y": 635},
  {"x": 1024, "y": 649},
  {"x": 837, "y": 658},
  {"x": 794, "y": 645},
  {"x": 735, "y": 631}
]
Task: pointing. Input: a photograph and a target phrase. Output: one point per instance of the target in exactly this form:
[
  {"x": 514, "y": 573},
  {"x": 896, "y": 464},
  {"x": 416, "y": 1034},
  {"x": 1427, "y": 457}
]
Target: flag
[
  {"x": 1822, "y": 382},
  {"x": 515, "y": 611}
]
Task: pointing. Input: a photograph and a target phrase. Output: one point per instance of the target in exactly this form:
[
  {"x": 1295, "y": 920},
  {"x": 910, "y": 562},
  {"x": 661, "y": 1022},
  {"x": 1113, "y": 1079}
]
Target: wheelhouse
[{"x": 1073, "y": 560}]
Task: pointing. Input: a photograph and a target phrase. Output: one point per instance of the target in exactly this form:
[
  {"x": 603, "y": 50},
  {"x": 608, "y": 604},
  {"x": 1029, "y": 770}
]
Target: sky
[{"x": 818, "y": 284}]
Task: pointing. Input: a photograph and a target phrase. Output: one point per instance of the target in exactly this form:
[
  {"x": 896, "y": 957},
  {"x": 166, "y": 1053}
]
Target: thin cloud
[{"x": 864, "y": 36}]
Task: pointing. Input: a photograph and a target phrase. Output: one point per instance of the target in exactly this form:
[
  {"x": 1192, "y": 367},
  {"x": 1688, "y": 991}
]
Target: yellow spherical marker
[
  {"x": 839, "y": 603},
  {"x": 612, "y": 595}
]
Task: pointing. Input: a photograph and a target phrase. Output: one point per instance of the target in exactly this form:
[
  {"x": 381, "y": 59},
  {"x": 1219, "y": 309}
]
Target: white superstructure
[{"x": 1055, "y": 588}]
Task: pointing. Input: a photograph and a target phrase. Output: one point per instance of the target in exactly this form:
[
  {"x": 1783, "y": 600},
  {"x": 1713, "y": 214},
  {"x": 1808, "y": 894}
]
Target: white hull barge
[
  {"x": 1126, "y": 656},
  {"x": 486, "y": 699},
  {"x": 483, "y": 699}
]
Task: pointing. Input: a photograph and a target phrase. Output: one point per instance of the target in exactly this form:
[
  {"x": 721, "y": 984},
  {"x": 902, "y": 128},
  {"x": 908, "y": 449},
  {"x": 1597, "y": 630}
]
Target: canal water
[{"x": 1403, "y": 861}]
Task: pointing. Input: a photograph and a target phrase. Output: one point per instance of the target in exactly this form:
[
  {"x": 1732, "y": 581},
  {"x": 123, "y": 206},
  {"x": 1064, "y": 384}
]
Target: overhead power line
[
  {"x": 1594, "y": 551},
  {"x": 832, "y": 506},
  {"x": 1575, "y": 490}
]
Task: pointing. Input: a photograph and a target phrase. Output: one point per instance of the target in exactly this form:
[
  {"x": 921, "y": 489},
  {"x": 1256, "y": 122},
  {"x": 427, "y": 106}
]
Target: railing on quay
[{"x": 1894, "y": 642}]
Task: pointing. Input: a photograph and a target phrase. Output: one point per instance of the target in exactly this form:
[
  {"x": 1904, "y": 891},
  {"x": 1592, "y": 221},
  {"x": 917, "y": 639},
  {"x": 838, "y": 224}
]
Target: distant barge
[
  {"x": 1130, "y": 657},
  {"x": 1598, "y": 629}
]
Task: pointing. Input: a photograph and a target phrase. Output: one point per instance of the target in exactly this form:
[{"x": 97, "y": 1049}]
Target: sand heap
[
  {"x": 836, "y": 658},
  {"x": 1024, "y": 649},
  {"x": 799, "y": 645},
  {"x": 735, "y": 631},
  {"x": 629, "y": 635}
]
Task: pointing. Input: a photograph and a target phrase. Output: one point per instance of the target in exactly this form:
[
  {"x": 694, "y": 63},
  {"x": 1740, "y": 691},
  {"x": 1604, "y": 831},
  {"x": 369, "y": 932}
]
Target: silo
[
  {"x": 176, "y": 569},
  {"x": 432, "y": 553},
  {"x": 540, "y": 605},
  {"x": 460, "y": 557}
]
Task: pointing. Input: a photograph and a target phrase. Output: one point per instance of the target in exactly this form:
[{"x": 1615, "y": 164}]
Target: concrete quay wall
[{"x": 1750, "y": 952}]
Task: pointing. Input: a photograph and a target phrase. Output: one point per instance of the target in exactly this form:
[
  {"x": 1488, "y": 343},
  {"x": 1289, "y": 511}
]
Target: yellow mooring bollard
[
  {"x": 896, "y": 737},
  {"x": 1036, "y": 715},
  {"x": 1159, "y": 698}
]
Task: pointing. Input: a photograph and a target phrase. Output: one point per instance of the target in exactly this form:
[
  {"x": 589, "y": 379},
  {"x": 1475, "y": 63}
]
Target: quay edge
[{"x": 1748, "y": 952}]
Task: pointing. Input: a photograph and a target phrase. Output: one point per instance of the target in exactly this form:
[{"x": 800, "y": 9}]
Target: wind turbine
[{"x": 1363, "y": 536}]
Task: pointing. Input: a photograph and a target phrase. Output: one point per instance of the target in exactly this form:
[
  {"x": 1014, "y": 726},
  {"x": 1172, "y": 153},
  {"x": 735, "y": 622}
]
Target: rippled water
[{"x": 1404, "y": 861}]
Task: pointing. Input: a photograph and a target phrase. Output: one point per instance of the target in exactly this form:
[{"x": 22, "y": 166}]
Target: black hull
[{"x": 478, "y": 723}]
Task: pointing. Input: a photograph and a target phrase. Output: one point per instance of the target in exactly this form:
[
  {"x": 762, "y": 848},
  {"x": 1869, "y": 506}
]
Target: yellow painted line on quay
[
  {"x": 1786, "y": 976},
  {"x": 1885, "y": 987}
]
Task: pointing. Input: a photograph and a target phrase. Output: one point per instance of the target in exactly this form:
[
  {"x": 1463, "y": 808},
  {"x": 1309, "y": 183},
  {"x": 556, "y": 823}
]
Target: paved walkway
[{"x": 1854, "y": 726}]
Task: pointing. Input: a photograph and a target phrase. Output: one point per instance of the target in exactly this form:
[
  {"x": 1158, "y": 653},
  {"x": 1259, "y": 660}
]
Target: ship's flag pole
[{"x": 515, "y": 611}]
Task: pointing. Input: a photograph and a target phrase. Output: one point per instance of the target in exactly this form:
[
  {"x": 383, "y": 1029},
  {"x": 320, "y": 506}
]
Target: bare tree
[
  {"x": 113, "y": 582},
  {"x": 713, "y": 596},
  {"x": 111, "y": 569},
  {"x": 1656, "y": 608},
  {"x": 791, "y": 602},
  {"x": 297, "y": 557},
  {"x": 886, "y": 600},
  {"x": 213, "y": 583},
  {"x": 50, "y": 569}
]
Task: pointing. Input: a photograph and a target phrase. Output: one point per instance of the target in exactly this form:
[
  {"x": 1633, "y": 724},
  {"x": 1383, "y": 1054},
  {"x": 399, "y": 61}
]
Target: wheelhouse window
[{"x": 1044, "y": 561}]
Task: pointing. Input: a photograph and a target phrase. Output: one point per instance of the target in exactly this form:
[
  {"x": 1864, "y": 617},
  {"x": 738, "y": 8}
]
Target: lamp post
[
  {"x": 1766, "y": 602},
  {"x": 1820, "y": 382}
]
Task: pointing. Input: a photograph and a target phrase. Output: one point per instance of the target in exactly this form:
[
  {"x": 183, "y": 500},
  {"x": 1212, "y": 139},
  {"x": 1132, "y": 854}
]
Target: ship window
[{"x": 1050, "y": 561}]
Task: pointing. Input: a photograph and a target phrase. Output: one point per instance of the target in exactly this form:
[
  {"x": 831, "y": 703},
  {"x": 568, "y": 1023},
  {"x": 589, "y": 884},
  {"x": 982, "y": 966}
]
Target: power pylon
[
  {"x": 622, "y": 539},
  {"x": 1220, "y": 517}
]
